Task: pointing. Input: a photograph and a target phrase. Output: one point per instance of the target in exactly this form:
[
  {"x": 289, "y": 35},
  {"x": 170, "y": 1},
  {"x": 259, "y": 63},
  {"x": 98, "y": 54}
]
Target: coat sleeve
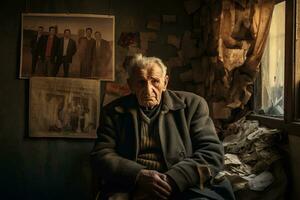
[
  {"x": 208, "y": 154},
  {"x": 74, "y": 48},
  {"x": 106, "y": 162}
]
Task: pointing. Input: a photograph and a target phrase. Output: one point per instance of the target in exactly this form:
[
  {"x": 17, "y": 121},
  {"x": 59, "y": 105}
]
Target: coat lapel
[
  {"x": 133, "y": 113},
  {"x": 169, "y": 135},
  {"x": 130, "y": 109}
]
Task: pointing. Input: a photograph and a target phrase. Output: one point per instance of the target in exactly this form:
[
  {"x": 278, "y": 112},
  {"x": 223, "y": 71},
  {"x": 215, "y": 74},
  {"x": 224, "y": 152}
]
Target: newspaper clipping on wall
[{"x": 62, "y": 107}]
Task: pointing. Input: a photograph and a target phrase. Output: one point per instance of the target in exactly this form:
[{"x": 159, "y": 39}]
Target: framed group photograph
[
  {"x": 68, "y": 45},
  {"x": 63, "y": 107}
]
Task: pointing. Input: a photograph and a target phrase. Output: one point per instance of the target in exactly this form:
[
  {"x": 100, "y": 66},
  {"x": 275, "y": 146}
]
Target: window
[
  {"x": 270, "y": 84},
  {"x": 287, "y": 112}
]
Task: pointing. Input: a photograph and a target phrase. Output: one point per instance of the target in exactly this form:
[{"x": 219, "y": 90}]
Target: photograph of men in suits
[
  {"x": 66, "y": 51},
  {"x": 37, "y": 46},
  {"x": 51, "y": 51},
  {"x": 103, "y": 58},
  {"x": 87, "y": 61}
]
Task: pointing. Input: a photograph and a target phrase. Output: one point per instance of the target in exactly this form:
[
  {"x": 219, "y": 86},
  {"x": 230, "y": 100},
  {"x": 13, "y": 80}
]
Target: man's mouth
[{"x": 148, "y": 98}]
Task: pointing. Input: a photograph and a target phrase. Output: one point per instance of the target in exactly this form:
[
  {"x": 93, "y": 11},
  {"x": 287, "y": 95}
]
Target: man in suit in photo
[
  {"x": 66, "y": 51},
  {"x": 51, "y": 51},
  {"x": 37, "y": 45},
  {"x": 88, "y": 56},
  {"x": 103, "y": 58}
]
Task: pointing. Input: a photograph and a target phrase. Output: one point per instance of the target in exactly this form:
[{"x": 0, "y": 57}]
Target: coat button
[{"x": 182, "y": 154}]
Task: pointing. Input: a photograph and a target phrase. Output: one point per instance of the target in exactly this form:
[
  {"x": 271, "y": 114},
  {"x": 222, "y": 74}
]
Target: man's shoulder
[
  {"x": 185, "y": 96},
  {"x": 72, "y": 42},
  {"x": 190, "y": 100}
]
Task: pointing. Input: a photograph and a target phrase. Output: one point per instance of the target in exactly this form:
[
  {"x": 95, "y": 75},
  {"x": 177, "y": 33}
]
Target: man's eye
[{"x": 156, "y": 82}]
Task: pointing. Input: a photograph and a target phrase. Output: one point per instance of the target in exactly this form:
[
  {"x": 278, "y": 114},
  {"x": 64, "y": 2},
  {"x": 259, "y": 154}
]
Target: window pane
[{"x": 272, "y": 67}]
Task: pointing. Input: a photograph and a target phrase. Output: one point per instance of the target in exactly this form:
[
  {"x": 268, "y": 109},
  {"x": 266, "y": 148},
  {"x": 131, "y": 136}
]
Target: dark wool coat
[{"x": 190, "y": 146}]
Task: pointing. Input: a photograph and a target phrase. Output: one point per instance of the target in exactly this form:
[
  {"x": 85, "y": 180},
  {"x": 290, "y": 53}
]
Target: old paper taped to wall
[{"x": 62, "y": 107}]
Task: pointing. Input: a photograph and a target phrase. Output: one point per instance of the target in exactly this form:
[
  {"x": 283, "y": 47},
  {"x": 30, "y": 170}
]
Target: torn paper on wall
[
  {"x": 189, "y": 46},
  {"x": 174, "y": 62},
  {"x": 145, "y": 38},
  {"x": 153, "y": 23},
  {"x": 174, "y": 41},
  {"x": 169, "y": 18},
  {"x": 186, "y": 76},
  {"x": 192, "y": 5},
  {"x": 220, "y": 111},
  {"x": 129, "y": 38}
]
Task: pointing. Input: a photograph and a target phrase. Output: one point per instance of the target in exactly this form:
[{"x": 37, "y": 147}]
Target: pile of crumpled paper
[{"x": 249, "y": 152}]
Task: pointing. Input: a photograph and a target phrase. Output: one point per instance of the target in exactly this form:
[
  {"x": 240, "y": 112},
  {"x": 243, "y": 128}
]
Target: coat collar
[{"x": 170, "y": 102}]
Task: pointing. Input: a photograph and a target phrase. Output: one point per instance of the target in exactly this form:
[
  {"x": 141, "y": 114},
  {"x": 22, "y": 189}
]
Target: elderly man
[{"x": 156, "y": 143}]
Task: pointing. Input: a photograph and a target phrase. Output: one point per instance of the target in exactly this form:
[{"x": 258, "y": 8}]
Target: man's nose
[{"x": 149, "y": 87}]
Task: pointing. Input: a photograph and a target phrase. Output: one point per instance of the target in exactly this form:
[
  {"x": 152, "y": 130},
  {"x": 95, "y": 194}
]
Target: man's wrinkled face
[{"x": 148, "y": 85}]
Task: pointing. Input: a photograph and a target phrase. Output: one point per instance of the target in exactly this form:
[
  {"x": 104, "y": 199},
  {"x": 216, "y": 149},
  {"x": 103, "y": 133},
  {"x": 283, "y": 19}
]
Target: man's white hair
[{"x": 140, "y": 61}]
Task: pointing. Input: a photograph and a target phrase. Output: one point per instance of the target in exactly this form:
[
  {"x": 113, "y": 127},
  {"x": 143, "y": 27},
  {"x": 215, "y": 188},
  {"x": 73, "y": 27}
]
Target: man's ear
[{"x": 166, "y": 81}]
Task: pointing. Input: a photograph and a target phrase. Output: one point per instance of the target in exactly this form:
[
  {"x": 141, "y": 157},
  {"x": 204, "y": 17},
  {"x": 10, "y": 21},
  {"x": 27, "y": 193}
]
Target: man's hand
[{"x": 151, "y": 184}]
